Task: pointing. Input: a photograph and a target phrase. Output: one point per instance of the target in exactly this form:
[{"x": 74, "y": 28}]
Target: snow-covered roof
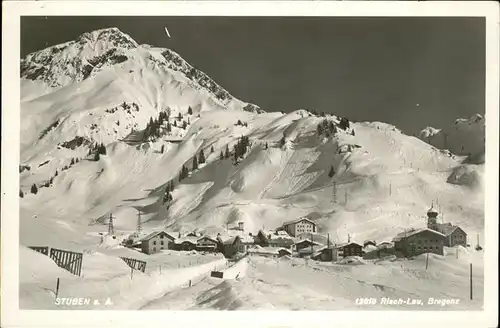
[
  {"x": 226, "y": 240},
  {"x": 315, "y": 249},
  {"x": 189, "y": 239},
  {"x": 264, "y": 250},
  {"x": 245, "y": 238},
  {"x": 207, "y": 237},
  {"x": 347, "y": 244},
  {"x": 306, "y": 240},
  {"x": 154, "y": 234},
  {"x": 282, "y": 233},
  {"x": 408, "y": 233},
  {"x": 297, "y": 220},
  {"x": 384, "y": 244},
  {"x": 447, "y": 228}
]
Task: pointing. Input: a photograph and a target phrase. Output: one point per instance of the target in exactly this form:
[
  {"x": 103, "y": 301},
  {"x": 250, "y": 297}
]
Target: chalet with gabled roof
[
  {"x": 298, "y": 226},
  {"x": 417, "y": 241},
  {"x": 156, "y": 241},
  {"x": 230, "y": 246},
  {"x": 349, "y": 249},
  {"x": 305, "y": 243},
  {"x": 454, "y": 235},
  {"x": 187, "y": 243},
  {"x": 207, "y": 244}
]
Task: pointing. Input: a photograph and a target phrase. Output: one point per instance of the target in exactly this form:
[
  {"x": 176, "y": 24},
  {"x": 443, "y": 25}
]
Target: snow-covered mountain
[
  {"x": 105, "y": 88},
  {"x": 464, "y": 136}
]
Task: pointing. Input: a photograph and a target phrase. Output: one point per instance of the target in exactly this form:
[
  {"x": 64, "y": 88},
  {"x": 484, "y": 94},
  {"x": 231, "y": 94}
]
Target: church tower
[{"x": 432, "y": 218}]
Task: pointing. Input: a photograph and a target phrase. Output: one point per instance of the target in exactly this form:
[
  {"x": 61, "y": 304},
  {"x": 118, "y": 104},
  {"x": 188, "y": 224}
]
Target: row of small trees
[
  {"x": 241, "y": 147},
  {"x": 240, "y": 123}
]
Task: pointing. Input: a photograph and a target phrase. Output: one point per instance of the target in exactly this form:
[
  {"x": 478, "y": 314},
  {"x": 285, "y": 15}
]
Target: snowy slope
[
  {"x": 384, "y": 180},
  {"x": 462, "y": 137}
]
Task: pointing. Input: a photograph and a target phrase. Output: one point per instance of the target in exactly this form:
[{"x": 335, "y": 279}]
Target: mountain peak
[{"x": 113, "y": 36}]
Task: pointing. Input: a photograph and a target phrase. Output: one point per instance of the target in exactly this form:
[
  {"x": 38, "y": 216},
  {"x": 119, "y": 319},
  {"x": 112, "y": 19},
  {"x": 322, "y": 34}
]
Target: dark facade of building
[
  {"x": 454, "y": 235},
  {"x": 230, "y": 247},
  {"x": 206, "y": 244},
  {"x": 350, "y": 249},
  {"x": 415, "y": 242},
  {"x": 306, "y": 243}
]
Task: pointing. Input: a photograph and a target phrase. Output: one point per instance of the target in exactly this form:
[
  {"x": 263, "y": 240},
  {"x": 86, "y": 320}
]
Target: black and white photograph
[{"x": 235, "y": 163}]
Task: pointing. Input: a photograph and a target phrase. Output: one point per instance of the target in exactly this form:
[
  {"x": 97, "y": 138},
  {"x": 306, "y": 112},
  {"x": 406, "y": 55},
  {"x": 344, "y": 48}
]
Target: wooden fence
[
  {"x": 70, "y": 261},
  {"x": 135, "y": 264},
  {"x": 40, "y": 249}
]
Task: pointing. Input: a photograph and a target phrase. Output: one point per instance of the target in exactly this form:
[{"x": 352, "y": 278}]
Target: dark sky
[{"x": 364, "y": 68}]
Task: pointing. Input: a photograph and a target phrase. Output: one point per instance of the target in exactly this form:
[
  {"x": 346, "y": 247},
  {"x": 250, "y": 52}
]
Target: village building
[
  {"x": 273, "y": 239},
  {"x": 187, "y": 243},
  {"x": 301, "y": 225},
  {"x": 349, "y": 249},
  {"x": 156, "y": 241},
  {"x": 454, "y": 234},
  {"x": 304, "y": 243},
  {"x": 284, "y": 252},
  {"x": 206, "y": 244},
  {"x": 417, "y": 241},
  {"x": 246, "y": 242},
  {"x": 369, "y": 242},
  {"x": 385, "y": 244},
  {"x": 313, "y": 251},
  {"x": 230, "y": 246},
  {"x": 264, "y": 251}
]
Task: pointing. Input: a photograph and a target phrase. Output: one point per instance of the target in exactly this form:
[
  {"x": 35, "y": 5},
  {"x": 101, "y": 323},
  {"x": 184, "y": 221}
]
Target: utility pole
[
  {"x": 334, "y": 192},
  {"x": 390, "y": 189},
  {"x": 345, "y": 197},
  {"x": 470, "y": 281},
  {"x": 427, "y": 261},
  {"x": 111, "y": 228},
  {"x": 139, "y": 226},
  {"x": 312, "y": 243}
]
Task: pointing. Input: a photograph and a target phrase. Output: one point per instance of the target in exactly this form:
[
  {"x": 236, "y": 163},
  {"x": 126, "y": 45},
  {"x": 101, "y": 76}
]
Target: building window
[
  {"x": 154, "y": 242},
  {"x": 161, "y": 236},
  {"x": 154, "y": 249},
  {"x": 161, "y": 242}
]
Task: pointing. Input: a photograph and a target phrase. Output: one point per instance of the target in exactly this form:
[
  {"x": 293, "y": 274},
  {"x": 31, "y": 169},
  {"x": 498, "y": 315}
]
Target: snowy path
[{"x": 293, "y": 284}]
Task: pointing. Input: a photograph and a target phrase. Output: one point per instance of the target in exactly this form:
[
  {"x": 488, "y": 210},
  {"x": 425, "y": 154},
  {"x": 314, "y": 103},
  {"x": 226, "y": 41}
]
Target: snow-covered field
[
  {"x": 298, "y": 284},
  {"x": 384, "y": 182},
  {"x": 106, "y": 278}
]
